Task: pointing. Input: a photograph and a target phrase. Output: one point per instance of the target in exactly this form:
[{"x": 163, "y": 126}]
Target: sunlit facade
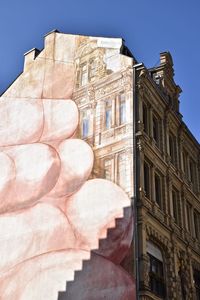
[
  {"x": 130, "y": 116},
  {"x": 168, "y": 184}
]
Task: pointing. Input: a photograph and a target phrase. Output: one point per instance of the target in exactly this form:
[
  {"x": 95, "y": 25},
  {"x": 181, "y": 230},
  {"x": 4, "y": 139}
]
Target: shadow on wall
[{"x": 101, "y": 276}]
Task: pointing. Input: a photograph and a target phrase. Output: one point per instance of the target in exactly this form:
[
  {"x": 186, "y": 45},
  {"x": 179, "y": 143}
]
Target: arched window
[{"x": 156, "y": 270}]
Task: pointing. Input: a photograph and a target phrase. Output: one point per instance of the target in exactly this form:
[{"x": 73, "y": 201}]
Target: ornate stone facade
[
  {"x": 165, "y": 145},
  {"x": 169, "y": 186},
  {"x": 105, "y": 101}
]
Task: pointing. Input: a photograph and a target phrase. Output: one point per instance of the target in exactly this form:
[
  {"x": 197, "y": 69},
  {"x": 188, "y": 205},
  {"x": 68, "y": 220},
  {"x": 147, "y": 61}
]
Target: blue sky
[{"x": 148, "y": 27}]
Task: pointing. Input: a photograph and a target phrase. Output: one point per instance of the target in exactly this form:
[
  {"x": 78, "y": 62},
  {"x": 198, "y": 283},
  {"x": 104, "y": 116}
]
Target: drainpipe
[{"x": 136, "y": 171}]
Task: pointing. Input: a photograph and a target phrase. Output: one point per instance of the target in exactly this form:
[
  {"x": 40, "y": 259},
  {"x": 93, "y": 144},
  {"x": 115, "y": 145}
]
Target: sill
[
  {"x": 157, "y": 146},
  {"x": 175, "y": 225},
  {"x": 89, "y": 139},
  {"x": 174, "y": 167},
  {"x": 115, "y": 127},
  {"x": 105, "y": 130},
  {"x": 146, "y": 134},
  {"x": 151, "y": 295}
]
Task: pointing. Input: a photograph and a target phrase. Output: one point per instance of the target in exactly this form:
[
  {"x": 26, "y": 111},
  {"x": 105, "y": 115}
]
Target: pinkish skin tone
[{"x": 47, "y": 204}]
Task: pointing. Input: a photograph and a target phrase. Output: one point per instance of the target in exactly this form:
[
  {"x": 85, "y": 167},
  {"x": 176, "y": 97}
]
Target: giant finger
[
  {"x": 54, "y": 276},
  {"x": 37, "y": 167},
  {"x": 76, "y": 165},
  {"x": 25, "y": 121},
  {"x": 31, "y": 232},
  {"x": 43, "y": 276},
  {"x": 7, "y": 174},
  {"x": 94, "y": 212}
]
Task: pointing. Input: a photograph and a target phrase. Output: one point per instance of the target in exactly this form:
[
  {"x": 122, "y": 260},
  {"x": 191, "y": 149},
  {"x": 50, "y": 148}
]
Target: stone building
[
  {"x": 130, "y": 116},
  {"x": 168, "y": 189},
  {"x": 168, "y": 178}
]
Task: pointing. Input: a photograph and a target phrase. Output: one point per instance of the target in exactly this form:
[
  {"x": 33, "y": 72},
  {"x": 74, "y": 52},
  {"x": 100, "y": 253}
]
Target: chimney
[{"x": 29, "y": 57}]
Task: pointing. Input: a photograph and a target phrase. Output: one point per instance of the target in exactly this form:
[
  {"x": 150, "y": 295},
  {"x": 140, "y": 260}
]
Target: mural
[{"x": 66, "y": 176}]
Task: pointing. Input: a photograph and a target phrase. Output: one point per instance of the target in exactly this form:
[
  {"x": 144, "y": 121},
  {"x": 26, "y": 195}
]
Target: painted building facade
[{"x": 130, "y": 116}]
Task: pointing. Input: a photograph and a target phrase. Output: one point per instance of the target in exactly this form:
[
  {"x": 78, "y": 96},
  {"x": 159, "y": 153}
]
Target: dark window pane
[
  {"x": 145, "y": 118},
  {"x": 155, "y": 130},
  {"x": 197, "y": 283},
  {"x": 172, "y": 148},
  {"x": 156, "y": 277},
  {"x": 157, "y": 189},
  {"x": 176, "y": 206},
  {"x": 85, "y": 127},
  {"x": 146, "y": 180},
  {"x": 196, "y": 223}
]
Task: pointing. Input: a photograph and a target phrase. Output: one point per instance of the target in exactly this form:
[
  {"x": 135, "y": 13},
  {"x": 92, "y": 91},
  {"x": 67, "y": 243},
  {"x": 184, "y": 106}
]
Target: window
[
  {"x": 122, "y": 109},
  {"x": 122, "y": 180},
  {"x": 156, "y": 130},
  {"x": 108, "y": 114},
  {"x": 184, "y": 155},
  {"x": 172, "y": 148},
  {"x": 85, "y": 127},
  {"x": 145, "y": 119},
  {"x": 84, "y": 75},
  {"x": 189, "y": 219},
  {"x": 85, "y": 124},
  {"x": 193, "y": 174},
  {"x": 147, "y": 179},
  {"x": 197, "y": 224},
  {"x": 157, "y": 78},
  {"x": 197, "y": 283},
  {"x": 158, "y": 186},
  {"x": 156, "y": 270},
  {"x": 192, "y": 170},
  {"x": 176, "y": 206}
]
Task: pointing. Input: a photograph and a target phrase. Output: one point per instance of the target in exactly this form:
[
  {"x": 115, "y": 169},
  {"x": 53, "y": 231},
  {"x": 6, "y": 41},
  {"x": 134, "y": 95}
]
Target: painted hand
[{"x": 51, "y": 215}]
